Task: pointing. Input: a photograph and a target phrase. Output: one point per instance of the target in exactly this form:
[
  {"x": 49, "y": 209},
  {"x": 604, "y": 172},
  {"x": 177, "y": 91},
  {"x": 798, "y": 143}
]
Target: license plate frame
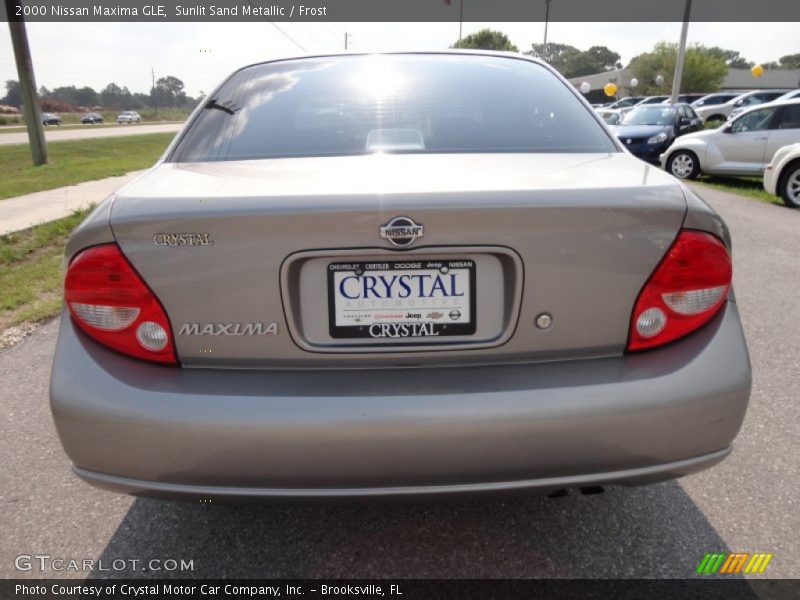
[{"x": 428, "y": 327}]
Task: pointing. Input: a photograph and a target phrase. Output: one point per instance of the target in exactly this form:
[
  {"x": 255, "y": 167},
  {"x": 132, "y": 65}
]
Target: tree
[
  {"x": 114, "y": 96},
  {"x": 486, "y": 39},
  {"x": 571, "y": 62},
  {"x": 556, "y": 55},
  {"x": 790, "y": 61},
  {"x": 703, "y": 69},
  {"x": 13, "y": 95},
  {"x": 732, "y": 58},
  {"x": 169, "y": 92},
  {"x": 85, "y": 96}
]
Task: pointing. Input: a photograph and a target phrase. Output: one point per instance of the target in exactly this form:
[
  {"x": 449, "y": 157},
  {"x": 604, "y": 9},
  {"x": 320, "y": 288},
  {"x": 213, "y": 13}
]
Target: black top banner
[{"x": 399, "y": 10}]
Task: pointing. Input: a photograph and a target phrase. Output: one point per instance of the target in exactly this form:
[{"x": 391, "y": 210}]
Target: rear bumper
[
  {"x": 639, "y": 476},
  {"x": 145, "y": 429}
]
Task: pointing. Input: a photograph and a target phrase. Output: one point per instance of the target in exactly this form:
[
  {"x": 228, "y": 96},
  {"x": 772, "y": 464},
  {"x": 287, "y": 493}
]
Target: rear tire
[
  {"x": 790, "y": 186},
  {"x": 683, "y": 164}
]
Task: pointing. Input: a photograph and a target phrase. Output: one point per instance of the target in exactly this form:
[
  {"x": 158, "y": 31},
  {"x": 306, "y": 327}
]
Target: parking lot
[{"x": 749, "y": 503}]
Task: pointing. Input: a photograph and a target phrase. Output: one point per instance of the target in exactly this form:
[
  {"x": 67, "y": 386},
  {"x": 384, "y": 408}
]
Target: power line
[{"x": 286, "y": 35}]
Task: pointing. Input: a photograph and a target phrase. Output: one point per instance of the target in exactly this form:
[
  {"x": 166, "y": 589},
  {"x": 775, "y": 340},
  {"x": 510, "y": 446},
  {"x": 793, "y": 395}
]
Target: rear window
[{"x": 390, "y": 103}]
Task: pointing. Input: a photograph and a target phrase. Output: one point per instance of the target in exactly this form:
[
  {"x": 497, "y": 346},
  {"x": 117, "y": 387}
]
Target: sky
[{"x": 202, "y": 54}]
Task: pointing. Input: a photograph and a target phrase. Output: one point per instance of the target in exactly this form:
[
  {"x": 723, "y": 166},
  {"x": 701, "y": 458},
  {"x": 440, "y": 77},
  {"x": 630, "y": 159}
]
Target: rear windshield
[{"x": 390, "y": 103}]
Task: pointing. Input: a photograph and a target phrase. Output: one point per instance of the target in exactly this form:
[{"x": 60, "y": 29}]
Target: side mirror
[
  {"x": 684, "y": 122},
  {"x": 727, "y": 128}
]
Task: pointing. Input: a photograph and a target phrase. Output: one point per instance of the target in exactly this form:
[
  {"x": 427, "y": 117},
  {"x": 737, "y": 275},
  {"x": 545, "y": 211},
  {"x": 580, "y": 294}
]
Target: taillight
[
  {"x": 114, "y": 306},
  {"x": 684, "y": 292}
]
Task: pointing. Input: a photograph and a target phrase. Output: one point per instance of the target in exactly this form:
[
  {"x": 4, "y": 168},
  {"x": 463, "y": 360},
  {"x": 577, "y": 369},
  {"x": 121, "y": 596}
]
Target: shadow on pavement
[{"x": 654, "y": 531}]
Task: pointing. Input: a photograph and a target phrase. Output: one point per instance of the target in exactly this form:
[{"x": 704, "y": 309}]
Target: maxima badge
[{"x": 401, "y": 231}]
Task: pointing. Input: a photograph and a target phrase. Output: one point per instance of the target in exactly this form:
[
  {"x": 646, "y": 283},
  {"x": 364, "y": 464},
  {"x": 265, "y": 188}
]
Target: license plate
[{"x": 401, "y": 299}]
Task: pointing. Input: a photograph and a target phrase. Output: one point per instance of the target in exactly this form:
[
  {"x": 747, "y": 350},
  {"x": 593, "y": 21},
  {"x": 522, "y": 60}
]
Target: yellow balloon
[
  {"x": 757, "y": 71},
  {"x": 610, "y": 89}
]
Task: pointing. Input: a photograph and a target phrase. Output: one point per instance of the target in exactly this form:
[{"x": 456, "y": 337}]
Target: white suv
[
  {"x": 741, "y": 147},
  {"x": 128, "y": 116},
  {"x": 721, "y": 112}
]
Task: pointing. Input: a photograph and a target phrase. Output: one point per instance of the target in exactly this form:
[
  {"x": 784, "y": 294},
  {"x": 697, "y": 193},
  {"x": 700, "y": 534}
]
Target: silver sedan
[{"x": 393, "y": 275}]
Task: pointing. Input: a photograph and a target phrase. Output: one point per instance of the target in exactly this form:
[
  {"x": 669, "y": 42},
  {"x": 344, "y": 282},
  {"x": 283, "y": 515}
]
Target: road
[
  {"x": 87, "y": 131},
  {"x": 748, "y": 503}
]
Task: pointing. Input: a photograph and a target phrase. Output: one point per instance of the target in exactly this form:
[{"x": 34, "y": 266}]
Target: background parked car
[
  {"x": 609, "y": 115},
  {"x": 626, "y": 102},
  {"x": 721, "y": 112},
  {"x": 761, "y": 98},
  {"x": 715, "y": 99},
  {"x": 128, "y": 116},
  {"x": 50, "y": 119},
  {"x": 91, "y": 118},
  {"x": 741, "y": 147},
  {"x": 782, "y": 175},
  {"x": 646, "y": 131},
  {"x": 691, "y": 97},
  {"x": 653, "y": 100}
]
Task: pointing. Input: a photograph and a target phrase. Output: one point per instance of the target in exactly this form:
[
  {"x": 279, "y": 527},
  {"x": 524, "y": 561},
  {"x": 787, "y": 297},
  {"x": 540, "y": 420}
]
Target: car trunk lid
[{"x": 237, "y": 251}]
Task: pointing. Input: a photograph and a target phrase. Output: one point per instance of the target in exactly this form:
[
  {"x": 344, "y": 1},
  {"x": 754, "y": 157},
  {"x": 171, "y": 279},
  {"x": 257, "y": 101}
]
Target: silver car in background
[
  {"x": 722, "y": 112},
  {"x": 766, "y": 98},
  {"x": 741, "y": 147},
  {"x": 392, "y": 275},
  {"x": 128, "y": 116}
]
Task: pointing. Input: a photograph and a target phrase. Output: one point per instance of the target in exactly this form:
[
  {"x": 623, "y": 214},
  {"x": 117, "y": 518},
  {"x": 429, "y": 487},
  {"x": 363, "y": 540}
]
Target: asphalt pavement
[
  {"x": 54, "y": 134},
  {"x": 749, "y": 503}
]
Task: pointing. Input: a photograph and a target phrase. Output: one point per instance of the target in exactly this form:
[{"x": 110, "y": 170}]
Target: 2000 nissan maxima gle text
[{"x": 391, "y": 275}]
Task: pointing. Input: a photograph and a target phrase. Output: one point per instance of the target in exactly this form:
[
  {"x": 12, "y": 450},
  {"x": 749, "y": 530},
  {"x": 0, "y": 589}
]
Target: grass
[
  {"x": 30, "y": 271},
  {"x": 76, "y": 161},
  {"x": 752, "y": 187}
]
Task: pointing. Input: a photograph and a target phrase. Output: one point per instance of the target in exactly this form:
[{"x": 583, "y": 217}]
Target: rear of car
[
  {"x": 128, "y": 116},
  {"x": 50, "y": 119},
  {"x": 92, "y": 118},
  {"x": 404, "y": 274}
]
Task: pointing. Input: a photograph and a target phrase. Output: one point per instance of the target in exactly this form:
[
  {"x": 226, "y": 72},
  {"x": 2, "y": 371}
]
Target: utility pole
[
  {"x": 27, "y": 84},
  {"x": 546, "y": 21},
  {"x": 155, "y": 93},
  {"x": 676, "y": 80},
  {"x": 460, "y": 19}
]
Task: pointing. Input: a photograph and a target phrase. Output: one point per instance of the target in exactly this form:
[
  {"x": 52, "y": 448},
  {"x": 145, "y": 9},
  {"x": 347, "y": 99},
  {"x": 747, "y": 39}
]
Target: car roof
[
  {"x": 663, "y": 105},
  {"x": 450, "y": 51}
]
